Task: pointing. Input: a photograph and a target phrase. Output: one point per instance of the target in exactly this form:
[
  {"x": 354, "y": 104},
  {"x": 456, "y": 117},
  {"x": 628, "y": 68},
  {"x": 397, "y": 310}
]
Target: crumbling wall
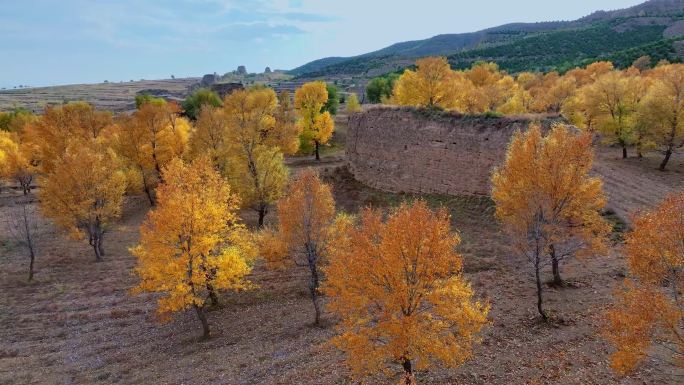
[{"x": 419, "y": 151}]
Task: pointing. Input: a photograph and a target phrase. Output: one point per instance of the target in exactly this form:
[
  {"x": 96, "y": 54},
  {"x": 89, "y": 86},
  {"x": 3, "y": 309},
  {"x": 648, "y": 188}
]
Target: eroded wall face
[{"x": 403, "y": 150}]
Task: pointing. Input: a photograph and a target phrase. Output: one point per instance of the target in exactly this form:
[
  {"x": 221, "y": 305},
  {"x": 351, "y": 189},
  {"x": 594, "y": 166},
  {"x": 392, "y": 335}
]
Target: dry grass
[{"x": 79, "y": 324}]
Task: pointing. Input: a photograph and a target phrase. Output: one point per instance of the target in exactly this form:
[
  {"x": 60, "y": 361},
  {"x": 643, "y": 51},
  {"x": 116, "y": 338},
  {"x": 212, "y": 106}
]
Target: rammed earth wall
[{"x": 419, "y": 151}]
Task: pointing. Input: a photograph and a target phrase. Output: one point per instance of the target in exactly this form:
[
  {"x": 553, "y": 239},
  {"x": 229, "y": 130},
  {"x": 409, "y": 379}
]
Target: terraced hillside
[{"x": 115, "y": 97}]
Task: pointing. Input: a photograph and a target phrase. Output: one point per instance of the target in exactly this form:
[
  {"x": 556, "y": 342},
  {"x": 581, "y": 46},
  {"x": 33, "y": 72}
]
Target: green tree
[
  {"x": 195, "y": 101},
  {"x": 333, "y": 100},
  {"x": 146, "y": 98},
  {"x": 381, "y": 88}
]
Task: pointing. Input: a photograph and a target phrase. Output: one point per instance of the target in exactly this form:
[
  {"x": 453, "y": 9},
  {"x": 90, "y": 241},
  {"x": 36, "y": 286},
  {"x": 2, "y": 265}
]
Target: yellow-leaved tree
[
  {"x": 150, "y": 139},
  {"x": 429, "y": 86},
  {"x": 649, "y": 312},
  {"x": 662, "y": 109},
  {"x": 209, "y": 137},
  {"x": 316, "y": 126},
  {"x": 614, "y": 97},
  {"x": 7, "y": 146},
  {"x": 19, "y": 164},
  {"x": 353, "y": 104},
  {"x": 400, "y": 292},
  {"x": 305, "y": 232},
  {"x": 287, "y": 131},
  {"x": 83, "y": 194},
  {"x": 193, "y": 244},
  {"x": 547, "y": 201},
  {"x": 258, "y": 130}
]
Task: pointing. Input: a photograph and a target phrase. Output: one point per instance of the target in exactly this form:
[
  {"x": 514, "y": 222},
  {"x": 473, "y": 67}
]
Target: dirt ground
[{"x": 78, "y": 322}]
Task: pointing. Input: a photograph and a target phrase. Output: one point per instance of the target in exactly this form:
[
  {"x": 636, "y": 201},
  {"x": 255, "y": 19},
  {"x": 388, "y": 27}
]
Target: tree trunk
[
  {"x": 213, "y": 297},
  {"x": 313, "y": 284},
  {"x": 100, "y": 246},
  {"x": 148, "y": 193},
  {"x": 33, "y": 258},
  {"x": 539, "y": 290},
  {"x": 203, "y": 319},
  {"x": 96, "y": 243},
  {"x": 146, "y": 188},
  {"x": 318, "y": 155},
  {"x": 663, "y": 164},
  {"x": 624, "y": 152},
  {"x": 408, "y": 371},
  {"x": 98, "y": 256},
  {"x": 262, "y": 214},
  {"x": 555, "y": 267}
]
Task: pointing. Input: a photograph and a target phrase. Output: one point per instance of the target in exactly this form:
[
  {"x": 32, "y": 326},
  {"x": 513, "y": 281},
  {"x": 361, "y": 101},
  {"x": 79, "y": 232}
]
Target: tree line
[{"x": 640, "y": 106}]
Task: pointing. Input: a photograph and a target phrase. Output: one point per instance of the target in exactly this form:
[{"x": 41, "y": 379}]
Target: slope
[{"x": 602, "y": 34}]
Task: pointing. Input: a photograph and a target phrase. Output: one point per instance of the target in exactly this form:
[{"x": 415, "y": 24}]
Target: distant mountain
[{"x": 654, "y": 27}]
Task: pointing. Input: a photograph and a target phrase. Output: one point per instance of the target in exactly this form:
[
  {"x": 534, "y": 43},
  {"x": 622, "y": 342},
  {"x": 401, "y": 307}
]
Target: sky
[{"x": 50, "y": 42}]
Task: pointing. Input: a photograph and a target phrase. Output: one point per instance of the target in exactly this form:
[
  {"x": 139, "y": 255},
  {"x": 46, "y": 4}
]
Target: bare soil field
[
  {"x": 116, "y": 97},
  {"x": 78, "y": 322},
  {"x": 635, "y": 183}
]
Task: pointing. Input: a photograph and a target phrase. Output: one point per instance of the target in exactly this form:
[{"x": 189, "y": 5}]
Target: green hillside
[
  {"x": 650, "y": 28},
  {"x": 565, "y": 49}
]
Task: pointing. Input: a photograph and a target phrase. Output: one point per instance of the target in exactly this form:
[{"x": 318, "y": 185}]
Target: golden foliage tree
[
  {"x": 547, "y": 201},
  {"x": 19, "y": 164},
  {"x": 259, "y": 178},
  {"x": 61, "y": 127},
  {"x": 257, "y": 130},
  {"x": 649, "y": 310},
  {"x": 353, "y": 104},
  {"x": 193, "y": 243},
  {"x": 399, "y": 289},
  {"x": 662, "y": 109},
  {"x": 306, "y": 216},
  {"x": 429, "y": 86},
  {"x": 150, "y": 139},
  {"x": 287, "y": 132},
  {"x": 209, "y": 137},
  {"x": 614, "y": 96},
  {"x": 317, "y": 127},
  {"x": 83, "y": 194}
]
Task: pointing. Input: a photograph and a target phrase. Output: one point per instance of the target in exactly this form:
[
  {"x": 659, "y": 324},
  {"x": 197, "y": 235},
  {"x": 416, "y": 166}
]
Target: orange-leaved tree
[
  {"x": 649, "y": 311},
  {"x": 83, "y": 194},
  {"x": 399, "y": 289},
  {"x": 150, "y": 139},
  {"x": 316, "y": 126},
  {"x": 61, "y": 127},
  {"x": 306, "y": 218},
  {"x": 548, "y": 202},
  {"x": 193, "y": 243}
]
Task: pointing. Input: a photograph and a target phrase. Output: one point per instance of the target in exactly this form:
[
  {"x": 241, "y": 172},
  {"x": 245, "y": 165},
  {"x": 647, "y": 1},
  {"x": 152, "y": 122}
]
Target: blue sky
[{"x": 48, "y": 42}]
